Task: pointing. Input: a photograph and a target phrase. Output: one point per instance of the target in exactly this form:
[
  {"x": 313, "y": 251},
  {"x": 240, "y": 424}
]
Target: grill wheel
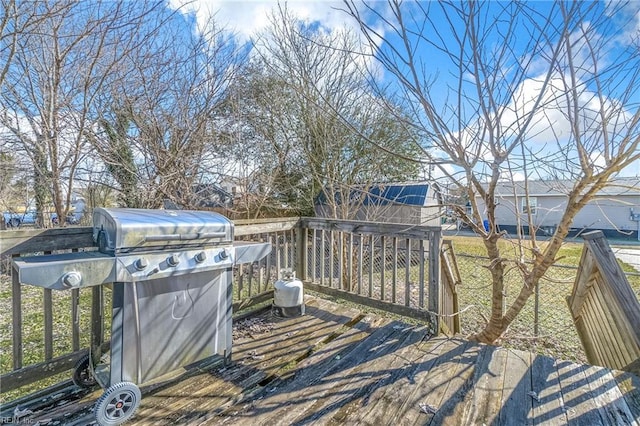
[
  {"x": 82, "y": 375},
  {"x": 117, "y": 404}
]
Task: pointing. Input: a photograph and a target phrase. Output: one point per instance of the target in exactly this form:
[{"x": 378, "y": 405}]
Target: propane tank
[{"x": 288, "y": 295}]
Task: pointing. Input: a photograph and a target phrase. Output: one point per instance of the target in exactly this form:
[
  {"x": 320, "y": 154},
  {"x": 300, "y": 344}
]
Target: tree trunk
[{"x": 40, "y": 184}]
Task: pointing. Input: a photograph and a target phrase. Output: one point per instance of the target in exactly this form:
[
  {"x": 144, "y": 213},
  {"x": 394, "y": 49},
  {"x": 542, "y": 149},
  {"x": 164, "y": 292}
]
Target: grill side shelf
[{"x": 66, "y": 271}]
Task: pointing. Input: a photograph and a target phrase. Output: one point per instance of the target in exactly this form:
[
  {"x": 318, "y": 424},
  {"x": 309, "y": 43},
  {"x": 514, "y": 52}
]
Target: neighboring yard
[{"x": 557, "y": 335}]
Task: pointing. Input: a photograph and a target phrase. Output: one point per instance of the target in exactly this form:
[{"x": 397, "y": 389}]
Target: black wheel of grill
[
  {"x": 117, "y": 404},
  {"x": 82, "y": 375}
]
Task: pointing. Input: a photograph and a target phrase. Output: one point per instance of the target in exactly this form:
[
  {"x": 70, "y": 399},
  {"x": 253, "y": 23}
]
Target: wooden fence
[
  {"x": 605, "y": 309},
  {"x": 385, "y": 266}
]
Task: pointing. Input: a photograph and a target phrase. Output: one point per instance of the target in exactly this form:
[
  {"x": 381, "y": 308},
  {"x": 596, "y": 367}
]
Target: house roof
[
  {"x": 382, "y": 194},
  {"x": 545, "y": 188}
]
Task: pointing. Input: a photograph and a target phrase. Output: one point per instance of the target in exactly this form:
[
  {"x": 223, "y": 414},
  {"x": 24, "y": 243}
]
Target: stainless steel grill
[{"x": 172, "y": 293}]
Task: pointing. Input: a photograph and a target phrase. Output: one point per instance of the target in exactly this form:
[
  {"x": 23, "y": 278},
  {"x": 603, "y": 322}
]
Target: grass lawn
[
  {"x": 556, "y": 335},
  {"x": 32, "y": 330}
]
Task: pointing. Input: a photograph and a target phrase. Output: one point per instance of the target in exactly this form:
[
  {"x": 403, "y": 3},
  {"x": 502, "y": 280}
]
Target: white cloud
[
  {"x": 628, "y": 13},
  {"x": 246, "y": 18}
]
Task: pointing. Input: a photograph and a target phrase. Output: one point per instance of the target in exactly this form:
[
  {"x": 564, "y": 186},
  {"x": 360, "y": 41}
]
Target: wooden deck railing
[
  {"x": 382, "y": 265},
  {"x": 385, "y": 266},
  {"x": 605, "y": 309},
  {"x": 451, "y": 279}
]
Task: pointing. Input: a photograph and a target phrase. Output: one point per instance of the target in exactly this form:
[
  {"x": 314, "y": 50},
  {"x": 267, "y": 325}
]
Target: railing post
[
  {"x": 47, "y": 300},
  {"x": 16, "y": 308},
  {"x": 97, "y": 322},
  {"x": 301, "y": 251},
  {"x": 434, "y": 279}
]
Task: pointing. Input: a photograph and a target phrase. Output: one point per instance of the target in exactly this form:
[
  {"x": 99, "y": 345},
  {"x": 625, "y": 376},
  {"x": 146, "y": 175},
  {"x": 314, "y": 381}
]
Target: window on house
[{"x": 532, "y": 204}]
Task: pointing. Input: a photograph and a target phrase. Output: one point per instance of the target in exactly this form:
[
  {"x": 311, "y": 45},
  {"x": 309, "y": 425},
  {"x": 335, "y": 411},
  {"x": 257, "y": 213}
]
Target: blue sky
[{"x": 246, "y": 18}]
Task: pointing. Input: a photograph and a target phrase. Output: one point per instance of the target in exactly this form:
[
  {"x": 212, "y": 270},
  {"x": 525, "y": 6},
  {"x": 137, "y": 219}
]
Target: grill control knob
[
  {"x": 141, "y": 264},
  {"x": 200, "y": 257},
  {"x": 71, "y": 279},
  {"x": 173, "y": 260},
  {"x": 223, "y": 254}
]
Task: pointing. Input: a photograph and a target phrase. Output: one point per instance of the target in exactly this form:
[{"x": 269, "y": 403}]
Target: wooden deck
[{"x": 338, "y": 365}]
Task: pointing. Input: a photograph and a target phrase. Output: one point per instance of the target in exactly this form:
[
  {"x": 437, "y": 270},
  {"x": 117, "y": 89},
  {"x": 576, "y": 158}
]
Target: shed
[
  {"x": 615, "y": 210},
  {"x": 417, "y": 203}
]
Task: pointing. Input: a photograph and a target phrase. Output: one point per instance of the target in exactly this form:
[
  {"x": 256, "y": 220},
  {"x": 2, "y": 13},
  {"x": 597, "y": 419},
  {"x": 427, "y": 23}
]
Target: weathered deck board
[
  {"x": 516, "y": 389},
  {"x": 608, "y": 397},
  {"x": 337, "y": 366},
  {"x": 384, "y": 368},
  {"x": 255, "y": 359},
  {"x": 385, "y": 401},
  {"x": 431, "y": 384},
  {"x": 302, "y": 399},
  {"x": 487, "y": 398},
  {"x": 548, "y": 407},
  {"x": 576, "y": 394},
  {"x": 456, "y": 408}
]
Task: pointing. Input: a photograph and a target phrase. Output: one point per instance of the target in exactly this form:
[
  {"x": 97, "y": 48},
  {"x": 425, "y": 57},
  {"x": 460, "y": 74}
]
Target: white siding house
[{"x": 615, "y": 210}]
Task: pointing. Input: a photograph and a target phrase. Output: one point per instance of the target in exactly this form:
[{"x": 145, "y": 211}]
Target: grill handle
[{"x": 185, "y": 237}]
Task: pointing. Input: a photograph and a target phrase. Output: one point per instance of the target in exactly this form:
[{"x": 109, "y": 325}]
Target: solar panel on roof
[{"x": 382, "y": 195}]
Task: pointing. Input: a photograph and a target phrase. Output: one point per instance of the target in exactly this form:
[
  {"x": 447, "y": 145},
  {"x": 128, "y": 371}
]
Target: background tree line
[{"x": 125, "y": 100}]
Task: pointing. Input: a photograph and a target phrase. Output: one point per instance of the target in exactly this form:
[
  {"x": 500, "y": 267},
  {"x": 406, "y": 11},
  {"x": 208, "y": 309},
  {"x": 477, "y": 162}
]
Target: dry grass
[
  {"x": 32, "y": 329},
  {"x": 556, "y": 335}
]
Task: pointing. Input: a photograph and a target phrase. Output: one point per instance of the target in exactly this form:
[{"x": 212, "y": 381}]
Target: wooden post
[
  {"x": 47, "y": 302},
  {"x": 16, "y": 308},
  {"x": 394, "y": 276},
  {"x": 301, "y": 252},
  {"x": 314, "y": 256},
  {"x": 97, "y": 322},
  {"x": 323, "y": 258},
  {"x": 75, "y": 319},
  {"x": 48, "y": 324},
  {"x": 383, "y": 266},
  {"x": 434, "y": 277},
  {"x": 421, "y": 274},
  {"x": 407, "y": 272},
  {"x": 360, "y": 260},
  {"x": 341, "y": 259},
  {"x": 331, "y": 263}
]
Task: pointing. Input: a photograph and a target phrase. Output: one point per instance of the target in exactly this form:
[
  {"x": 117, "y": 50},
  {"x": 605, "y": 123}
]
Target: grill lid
[{"x": 122, "y": 230}]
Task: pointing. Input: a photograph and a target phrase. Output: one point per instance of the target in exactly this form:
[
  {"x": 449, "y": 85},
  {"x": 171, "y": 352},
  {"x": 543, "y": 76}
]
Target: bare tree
[
  {"x": 17, "y": 18},
  {"x": 60, "y": 64},
  {"x": 509, "y": 91},
  {"x": 159, "y": 128},
  {"x": 312, "y": 115}
]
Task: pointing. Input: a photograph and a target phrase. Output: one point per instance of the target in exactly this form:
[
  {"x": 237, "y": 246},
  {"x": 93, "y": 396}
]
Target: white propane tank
[{"x": 288, "y": 296}]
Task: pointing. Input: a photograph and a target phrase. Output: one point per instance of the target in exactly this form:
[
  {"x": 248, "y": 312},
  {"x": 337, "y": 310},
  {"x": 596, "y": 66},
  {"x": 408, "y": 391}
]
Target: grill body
[
  {"x": 161, "y": 325},
  {"x": 172, "y": 286}
]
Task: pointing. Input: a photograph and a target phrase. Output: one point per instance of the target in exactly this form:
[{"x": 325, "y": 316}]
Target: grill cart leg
[{"x": 117, "y": 404}]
